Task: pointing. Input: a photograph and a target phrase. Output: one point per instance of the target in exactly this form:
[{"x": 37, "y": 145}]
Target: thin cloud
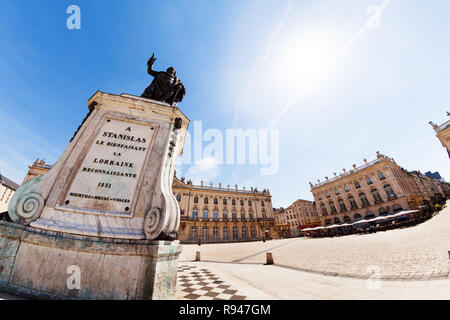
[{"x": 205, "y": 170}]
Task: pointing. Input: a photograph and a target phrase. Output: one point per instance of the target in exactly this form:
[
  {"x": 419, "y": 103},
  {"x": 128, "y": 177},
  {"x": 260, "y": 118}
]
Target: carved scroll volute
[{"x": 26, "y": 208}]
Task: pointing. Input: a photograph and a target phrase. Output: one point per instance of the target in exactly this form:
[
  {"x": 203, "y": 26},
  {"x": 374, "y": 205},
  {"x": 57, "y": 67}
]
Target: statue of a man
[{"x": 165, "y": 87}]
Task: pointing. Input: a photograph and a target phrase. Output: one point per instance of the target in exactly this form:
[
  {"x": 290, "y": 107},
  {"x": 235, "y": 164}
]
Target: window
[
  {"x": 347, "y": 219},
  {"x": 376, "y": 195},
  {"x": 382, "y": 211},
  {"x": 194, "y": 233},
  {"x": 381, "y": 176},
  {"x": 205, "y": 233},
  {"x": 342, "y": 205},
  {"x": 368, "y": 181},
  {"x": 357, "y": 185},
  {"x": 216, "y": 233},
  {"x": 242, "y": 202},
  {"x": 332, "y": 207},
  {"x": 244, "y": 232},
  {"x": 336, "y": 192},
  {"x": 242, "y": 215},
  {"x": 352, "y": 201},
  {"x": 194, "y": 214},
  {"x": 195, "y": 199},
  {"x": 216, "y": 201},
  {"x": 224, "y": 202},
  {"x": 233, "y": 215},
  {"x": 249, "y": 203},
  {"x": 324, "y": 209},
  {"x": 264, "y": 214},
  {"x": 225, "y": 214},
  {"x": 389, "y": 191},
  {"x": 364, "y": 200},
  {"x": 253, "y": 232},
  {"x": 250, "y": 215},
  {"x": 178, "y": 197},
  {"x": 233, "y": 202},
  {"x": 328, "y": 195},
  {"x": 337, "y": 220},
  {"x": 319, "y": 197},
  {"x": 262, "y": 203},
  {"x": 205, "y": 214},
  {"x": 225, "y": 233},
  {"x": 328, "y": 222},
  {"x": 205, "y": 200},
  {"x": 215, "y": 215},
  {"x": 235, "y": 233},
  {"x": 357, "y": 216},
  {"x": 346, "y": 188}
]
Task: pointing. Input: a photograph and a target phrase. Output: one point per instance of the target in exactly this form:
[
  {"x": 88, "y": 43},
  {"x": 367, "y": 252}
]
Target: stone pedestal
[{"x": 101, "y": 207}]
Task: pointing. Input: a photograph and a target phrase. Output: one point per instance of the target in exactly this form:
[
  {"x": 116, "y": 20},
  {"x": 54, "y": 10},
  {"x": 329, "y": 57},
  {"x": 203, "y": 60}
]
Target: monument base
[{"x": 42, "y": 264}]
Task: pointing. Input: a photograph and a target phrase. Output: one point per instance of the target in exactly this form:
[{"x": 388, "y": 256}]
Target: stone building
[
  {"x": 37, "y": 169},
  {"x": 7, "y": 189},
  {"x": 223, "y": 214},
  {"x": 301, "y": 214},
  {"x": 375, "y": 188},
  {"x": 282, "y": 228},
  {"x": 443, "y": 133}
]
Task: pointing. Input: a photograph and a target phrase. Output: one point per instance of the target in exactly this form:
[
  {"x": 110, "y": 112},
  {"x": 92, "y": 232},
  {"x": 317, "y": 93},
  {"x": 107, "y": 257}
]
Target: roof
[{"x": 9, "y": 183}]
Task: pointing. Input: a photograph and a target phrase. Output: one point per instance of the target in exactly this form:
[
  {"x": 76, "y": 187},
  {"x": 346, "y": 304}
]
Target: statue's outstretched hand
[{"x": 152, "y": 59}]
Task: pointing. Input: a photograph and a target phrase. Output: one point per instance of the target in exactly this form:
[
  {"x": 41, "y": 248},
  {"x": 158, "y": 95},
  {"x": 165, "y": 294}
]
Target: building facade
[
  {"x": 443, "y": 133},
  {"x": 216, "y": 214},
  {"x": 301, "y": 214},
  {"x": 282, "y": 228},
  {"x": 7, "y": 189},
  {"x": 37, "y": 169},
  {"x": 376, "y": 188}
]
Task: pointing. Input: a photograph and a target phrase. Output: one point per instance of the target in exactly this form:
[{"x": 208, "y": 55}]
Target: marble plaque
[{"x": 108, "y": 176}]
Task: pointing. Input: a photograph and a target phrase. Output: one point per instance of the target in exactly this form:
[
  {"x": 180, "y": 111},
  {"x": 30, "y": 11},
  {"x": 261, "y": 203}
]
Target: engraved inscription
[{"x": 108, "y": 176}]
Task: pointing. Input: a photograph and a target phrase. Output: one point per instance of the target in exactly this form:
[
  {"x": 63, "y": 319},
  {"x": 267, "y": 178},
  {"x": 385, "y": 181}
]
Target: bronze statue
[{"x": 165, "y": 87}]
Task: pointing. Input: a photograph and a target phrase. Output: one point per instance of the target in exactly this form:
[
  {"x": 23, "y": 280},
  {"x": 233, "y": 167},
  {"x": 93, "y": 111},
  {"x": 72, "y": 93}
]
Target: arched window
[
  {"x": 376, "y": 196},
  {"x": 225, "y": 233},
  {"x": 327, "y": 222},
  {"x": 205, "y": 233},
  {"x": 389, "y": 191},
  {"x": 262, "y": 203},
  {"x": 205, "y": 214},
  {"x": 357, "y": 216},
  {"x": 364, "y": 200},
  {"x": 216, "y": 215},
  {"x": 195, "y": 199},
  {"x": 244, "y": 232},
  {"x": 235, "y": 233},
  {"x": 194, "y": 213},
  {"x": 194, "y": 233},
  {"x": 324, "y": 209},
  {"x": 216, "y": 233},
  {"x": 178, "y": 197},
  {"x": 332, "y": 207},
  {"x": 382, "y": 211},
  {"x": 337, "y": 220},
  {"x": 347, "y": 219},
  {"x": 352, "y": 201},
  {"x": 397, "y": 208},
  {"x": 342, "y": 205}
]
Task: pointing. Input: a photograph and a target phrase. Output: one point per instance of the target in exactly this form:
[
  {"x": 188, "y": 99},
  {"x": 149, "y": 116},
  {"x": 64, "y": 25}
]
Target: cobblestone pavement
[{"x": 415, "y": 253}]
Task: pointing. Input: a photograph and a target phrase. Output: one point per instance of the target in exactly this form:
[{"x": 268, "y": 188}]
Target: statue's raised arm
[
  {"x": 165, "y": 87},
  {"x": 150, "y": 63}
]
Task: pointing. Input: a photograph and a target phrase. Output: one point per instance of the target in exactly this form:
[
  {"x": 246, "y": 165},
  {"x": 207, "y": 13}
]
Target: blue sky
[{"x": 347, "y": 91}]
